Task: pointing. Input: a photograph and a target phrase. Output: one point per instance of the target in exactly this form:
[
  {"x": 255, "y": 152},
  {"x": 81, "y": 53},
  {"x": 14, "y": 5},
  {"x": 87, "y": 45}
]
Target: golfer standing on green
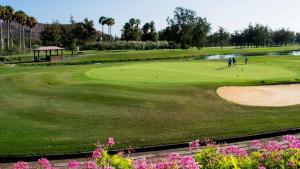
[
  {"x": 229, "y": 61},
  {"x": 246, "y": 60}
]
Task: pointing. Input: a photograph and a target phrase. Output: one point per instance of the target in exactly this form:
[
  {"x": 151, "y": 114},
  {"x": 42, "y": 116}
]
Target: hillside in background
[{"x": 15, "y": 28}]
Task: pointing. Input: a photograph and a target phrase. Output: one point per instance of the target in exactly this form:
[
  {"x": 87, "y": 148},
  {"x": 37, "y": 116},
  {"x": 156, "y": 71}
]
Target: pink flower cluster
[
  {"x": 72, "y": 165},
  {"x": 292, "y": 141},
  {"x": 234, "y": 150},
  {"x": 110, "y": 141},
  {"x": 97, "y": 153},
  {"x": 90, "y": 165},
  {"x": 174, "y": 161},
  {"x": 272, "y": 146},
  {"x": 257, "y": 144},
  {"x": 44, "y": 163},
  {"x": 21, "y": 165},
  {"x": 194, "y": 145},
  {"x": 270, "y": 149},
  {"x": 139, "y": 164}
]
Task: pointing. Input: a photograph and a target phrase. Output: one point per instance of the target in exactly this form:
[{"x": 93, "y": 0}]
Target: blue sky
[{"x": 231, "y": 14}]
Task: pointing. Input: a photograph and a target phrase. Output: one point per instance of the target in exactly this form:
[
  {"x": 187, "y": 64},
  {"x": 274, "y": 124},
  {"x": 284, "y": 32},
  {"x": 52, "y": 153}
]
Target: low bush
[
  {"x": 128, "y": 45},
  {"x": 260, "y": 155}
]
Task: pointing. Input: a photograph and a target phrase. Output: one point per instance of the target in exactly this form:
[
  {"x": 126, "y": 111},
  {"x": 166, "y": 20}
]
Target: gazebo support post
[
  {"x": 34, "y": 56},
  {"x": 38, "y": 55}
]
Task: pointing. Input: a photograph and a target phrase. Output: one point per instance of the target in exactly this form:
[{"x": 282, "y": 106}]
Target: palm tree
[
  {"x": 24, "y": 22},
  {"x": 8, "y": 16},
  {"x": 102, "y": 21},
  {"x": 19, "y": 17},
  {"x": 1, "y": 19},
  {"x": 110, "y": 23},
  {"x": 31, "y": 22}
]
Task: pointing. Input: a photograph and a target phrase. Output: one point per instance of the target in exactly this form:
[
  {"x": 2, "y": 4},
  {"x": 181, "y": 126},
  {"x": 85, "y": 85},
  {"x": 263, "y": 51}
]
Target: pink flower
[
  {"x": 110, "y": 141},
  {"x": 108, "y": 167},
  {"x": 173, "y": 157},
  {"x": 187, "y": 162},
  {"x": 290, "y": 138},
  {"x": 90, "y": 165},
  {"x": 44, "y": 163},
  {"x": 97, "y": 153},
  {"x": 257, "y": 144},
  {"x": 162, "y": 166},
  {"x": 139, "y": 164},
  {"x": 194, "y": 145},
  {"x": 21, "y": 165},
  {"x": 295, "y": 145},
  {"x": 262, "y": 167},
  {"x": 73, "y": 164},
  {"x": 273, "y": 146},
  {"x": 234, "y": 150}
]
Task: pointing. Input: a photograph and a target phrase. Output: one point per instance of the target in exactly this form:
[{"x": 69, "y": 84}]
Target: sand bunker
[{"x": 269, "y": 96}]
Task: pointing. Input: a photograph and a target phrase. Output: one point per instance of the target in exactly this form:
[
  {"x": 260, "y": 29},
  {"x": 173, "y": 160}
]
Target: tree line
[
  {"x": 185, "y": 29},
  {"x": 9, "y": 15}
]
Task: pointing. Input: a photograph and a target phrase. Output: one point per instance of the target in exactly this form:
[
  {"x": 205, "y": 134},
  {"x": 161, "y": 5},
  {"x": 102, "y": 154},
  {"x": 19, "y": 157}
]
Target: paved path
[{"x": 148, "y": 156}]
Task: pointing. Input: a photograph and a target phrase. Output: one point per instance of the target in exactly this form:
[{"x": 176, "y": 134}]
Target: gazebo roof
[{"x": 48, "y": 48}]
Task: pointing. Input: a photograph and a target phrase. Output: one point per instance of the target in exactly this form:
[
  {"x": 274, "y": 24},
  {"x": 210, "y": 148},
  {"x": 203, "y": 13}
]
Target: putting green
[{"x": 187, "y": 72}]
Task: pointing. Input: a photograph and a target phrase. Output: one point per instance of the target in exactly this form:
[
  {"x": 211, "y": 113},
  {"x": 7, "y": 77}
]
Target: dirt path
[{"x": 268, "y": 96}]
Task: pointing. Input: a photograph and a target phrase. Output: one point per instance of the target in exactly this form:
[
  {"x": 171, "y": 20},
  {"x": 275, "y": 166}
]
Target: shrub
[
  {"x": 129, "y": 45},
  {"x": 261, "y": 155}
]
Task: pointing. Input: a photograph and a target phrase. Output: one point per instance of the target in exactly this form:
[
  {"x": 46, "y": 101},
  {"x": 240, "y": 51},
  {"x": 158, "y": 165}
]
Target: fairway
[
  {"x": 187, "y": 72},
  {"x": 66, "y": 109}
]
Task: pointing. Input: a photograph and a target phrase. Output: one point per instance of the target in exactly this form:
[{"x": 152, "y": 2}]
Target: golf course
[{"x": 67, "y": 108}]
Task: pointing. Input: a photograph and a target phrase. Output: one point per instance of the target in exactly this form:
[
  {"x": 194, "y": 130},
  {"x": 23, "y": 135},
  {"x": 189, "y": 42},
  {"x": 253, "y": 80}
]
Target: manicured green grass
[
  {"x": 64, "y": 109},
  {"x": 187, "y": 72}
]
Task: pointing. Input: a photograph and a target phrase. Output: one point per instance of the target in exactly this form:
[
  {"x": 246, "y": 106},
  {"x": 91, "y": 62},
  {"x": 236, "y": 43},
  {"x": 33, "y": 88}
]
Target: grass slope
[{"x": 63, "y": 109}]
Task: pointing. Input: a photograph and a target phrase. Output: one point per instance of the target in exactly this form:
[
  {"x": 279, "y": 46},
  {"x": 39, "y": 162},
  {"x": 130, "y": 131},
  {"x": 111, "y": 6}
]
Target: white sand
[{"x": 269, "y": 96}]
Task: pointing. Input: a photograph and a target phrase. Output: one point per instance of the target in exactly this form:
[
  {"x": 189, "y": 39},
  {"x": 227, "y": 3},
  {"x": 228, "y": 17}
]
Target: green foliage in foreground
[{"x": 62, "y": 109}]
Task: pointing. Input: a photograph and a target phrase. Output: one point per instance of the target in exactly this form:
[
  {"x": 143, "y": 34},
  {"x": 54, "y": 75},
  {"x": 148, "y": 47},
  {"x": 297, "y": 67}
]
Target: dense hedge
[{"x": 127, "y": 45}]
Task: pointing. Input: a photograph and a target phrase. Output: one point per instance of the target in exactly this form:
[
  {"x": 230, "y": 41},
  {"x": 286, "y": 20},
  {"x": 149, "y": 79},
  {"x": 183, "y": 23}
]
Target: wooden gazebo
[{"x": 48, "y": 51}]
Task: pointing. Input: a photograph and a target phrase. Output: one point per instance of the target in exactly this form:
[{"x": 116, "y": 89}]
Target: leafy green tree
[
  {"x": 182, "y": 25},
  {"x": 169, "y": 34},
  {"x": 131, "y": 30},
  {"x": 223, "y": 37},
  {"x": 237, "y": 39},
  {"x": 213, "y": 39},
  {"x": 51, "y": 35},
  {"x": 200, "y": 32},
  {"x": 149, "y": 32},
  {"x": 283, "y": 37},
  {"x": 261, "y": 35},
  {"x": 297, "y": 38},
  {"x": 65, "y": 35}
]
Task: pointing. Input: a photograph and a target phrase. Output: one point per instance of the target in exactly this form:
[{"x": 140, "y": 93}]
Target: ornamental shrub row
[
  {"x": 128, "y": 45},
  {"x": 260, "y": 155}
]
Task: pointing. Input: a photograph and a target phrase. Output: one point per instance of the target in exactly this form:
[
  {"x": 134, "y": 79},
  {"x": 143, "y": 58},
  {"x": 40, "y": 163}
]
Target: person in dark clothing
[
  {"x": 233, "y": 61},
  {"x": 229, "y": 62},
  {"x": 246, "y": 60}
]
